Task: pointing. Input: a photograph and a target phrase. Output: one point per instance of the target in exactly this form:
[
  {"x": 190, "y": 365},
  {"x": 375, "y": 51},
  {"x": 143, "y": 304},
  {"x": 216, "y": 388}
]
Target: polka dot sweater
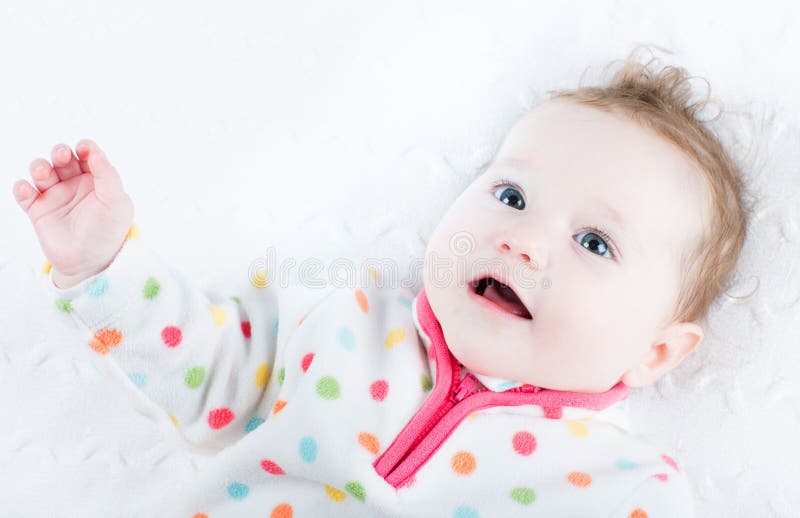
[{"x": 348, "y": 402}]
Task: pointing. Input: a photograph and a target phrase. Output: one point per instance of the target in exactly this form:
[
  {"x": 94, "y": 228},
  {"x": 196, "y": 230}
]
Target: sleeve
[
  {"x": 663, "y": 495},
  {"x": 203, "y": 357}
]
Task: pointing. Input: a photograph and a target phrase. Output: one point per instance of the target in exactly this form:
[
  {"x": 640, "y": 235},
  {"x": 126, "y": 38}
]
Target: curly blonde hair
[{"x": 660, "y": 100}]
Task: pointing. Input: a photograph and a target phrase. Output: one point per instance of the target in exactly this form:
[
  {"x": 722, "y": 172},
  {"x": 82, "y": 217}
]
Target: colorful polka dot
[
  {"x": 220, "y": 417},
  {"x": 577, "y": 429},
  {"x": 46, "y": 267},
  {"x": 669, "y": 460},
  {"x": 194, "y": 377},
  {"x": 64, "y": 305},
  {"x": 379, "y": 389},
  {"x": 278, "y": 406},
  {"x": 425, "y": 381},
  {"x": 104, "y": 339},
  {"x": 271, "y": 467},
  {"x": 236, "y": 299},
  {"x": 361, "y": 299},
  {"x": 579, "y": 479},
  {"x": 552, "y": 412},
  {"x": 308, "y": 449},
  {"x": 246, "y": 331},
  {"x": 151, "y": 287},
  {"x": 282, "y": 511},
  {"x": 524, "y": 443},
  {"x": 638, "y": 513},
  {"x": 404, "y": 301},
  {"x": 275, "y": 327},
  {"x": 219, "y": 315},
  {"x": 305, "y": 363},
  {"x": 334, "y": 494},
  {"x": 369, "y": 442},
  {"x": 200, "y": 515},
  {"x": 262, "y": 375},
  {"x": 661, "y": 476},
  {"x": 625, "y": 464},
  {"x": 133, "y": 232},
  {"x": 395, "y": 336},
  {"x": 253, "y": 423},
  {"x": 259, "y": 279},
  {"x": 97, "y": 287},
  {"x": 523, "y": 495},
  {"x": 174, "y": 420},
  {"x": 238, "y": 491},
  {"x": 347, "y": 339},
  {"x": 171, "y": 336},
  {"x": 373, "y": 273},
  {"x": 281, "y": 375},
  {"x": 356, "y": 489},
  {"x": 138, "y": 378},
  {"x": 463, "y": 463},
  {"x": 328, "y": 387},
  {"x": 465, "y": 511}
]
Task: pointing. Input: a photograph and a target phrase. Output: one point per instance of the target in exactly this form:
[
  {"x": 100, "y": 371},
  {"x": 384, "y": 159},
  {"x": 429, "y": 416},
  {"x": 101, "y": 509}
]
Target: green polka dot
[
  {"x": 64, "y": 305},
  {"x": 236, "y": 300},
  {"x": 523, "y": 495},
  {"x": 281, "y": 374},
  {"x": 328, "y": 387},
  {"x": 356, "y": 489},
  {"x": 150, "y": 288},
  {"x": 195, "y": 376},
  {"x": 427, "y": 384}
]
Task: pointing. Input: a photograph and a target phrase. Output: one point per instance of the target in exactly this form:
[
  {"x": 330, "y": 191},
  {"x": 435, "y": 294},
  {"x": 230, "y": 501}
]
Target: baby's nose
[{"x": 506, "y": 247}]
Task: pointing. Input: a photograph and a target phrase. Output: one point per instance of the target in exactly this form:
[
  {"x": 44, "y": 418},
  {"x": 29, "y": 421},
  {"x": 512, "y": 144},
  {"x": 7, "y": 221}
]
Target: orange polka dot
[
  {"x": 463, "y": 463},
  {"x": 369, "y": 442},
  {"x": 104, "y": 339},
  {"x": 638, "y": 513},
  {"x": 361, "y": 298},
  {"x": 278, "y": 406},
  {"x": 580, "y": 479},
  {"x": 200, "y": 515},
  {"x": 281, "y": 511}
]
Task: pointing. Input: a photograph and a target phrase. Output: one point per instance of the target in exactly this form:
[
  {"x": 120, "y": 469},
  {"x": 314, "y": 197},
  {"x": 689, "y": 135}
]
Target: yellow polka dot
[
  {"x": 463, "y": 463},
  {"x": 174, "y": 420},
  {"x": 473, "y": 415},
  {"x": 262, "y": 375},
  {"x": 259, "y": 280},
  {"x": 395, "y": 336},
  {"x": 334, "y": 494},
  {"x": 219, "y": 315},
  {"x": 373, "y": 273},
  {"x": 133, "y": 232},
  {"x": 577, "y": 429},
  {"x": 46, "y": 267}
]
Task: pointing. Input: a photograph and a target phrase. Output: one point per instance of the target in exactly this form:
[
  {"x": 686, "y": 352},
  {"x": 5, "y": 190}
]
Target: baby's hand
[{"x": 80, "y": 211}]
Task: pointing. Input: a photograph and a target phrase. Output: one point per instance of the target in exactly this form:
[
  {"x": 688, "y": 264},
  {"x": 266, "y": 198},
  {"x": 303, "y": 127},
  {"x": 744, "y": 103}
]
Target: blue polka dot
[
  {"x": 98, "y": 286},
  {"x": 253, "y": 423},
  {"x": 275, "y": 327},
  {"x": 507, "y": 385},
  {"x": 238, "y": 491},
  {"x": 465, "y": 511},
  {"x": 347, "y": 339},
  {"x": 138, "y": 378},
  {"x": 626, "y": 464},
  {"x": 308, "y": 449},
  {"x": 404, "y": 301}
]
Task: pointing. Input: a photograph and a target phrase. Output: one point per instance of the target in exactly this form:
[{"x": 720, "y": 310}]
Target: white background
[{"x": 345, "y": 129}]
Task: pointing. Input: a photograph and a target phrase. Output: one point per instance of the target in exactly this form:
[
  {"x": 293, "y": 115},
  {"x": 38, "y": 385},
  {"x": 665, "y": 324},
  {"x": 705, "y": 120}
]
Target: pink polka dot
[
  {"x": 306, "y": 361},
  {"x": 219, "y": 417},
  {"x": 171, "y": 336},
  {"x": 552, "y": 412},
  {"x": 524, "y": 443},
  {"x": 246, "y": 328},
  {"x": 669, "y": 460},
  {"x": 271, "y": 467},
  {"x": 661, "y": 476},
  {"x": 379, "y": 389}
]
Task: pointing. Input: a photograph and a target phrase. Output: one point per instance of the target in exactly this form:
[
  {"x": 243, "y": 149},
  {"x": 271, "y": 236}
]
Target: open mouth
[{"x": 501, "y": 295}]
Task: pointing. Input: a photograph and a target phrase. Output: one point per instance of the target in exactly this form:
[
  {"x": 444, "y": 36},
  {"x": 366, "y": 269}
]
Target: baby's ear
[{"x": 672, "y": 345}]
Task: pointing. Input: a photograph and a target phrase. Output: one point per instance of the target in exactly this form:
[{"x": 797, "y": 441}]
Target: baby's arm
[{"x": 204, "y": 358}]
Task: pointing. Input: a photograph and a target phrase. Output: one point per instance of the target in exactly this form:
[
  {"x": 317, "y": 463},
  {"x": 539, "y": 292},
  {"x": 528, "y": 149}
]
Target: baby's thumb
[{"x": 107, "y": 183}]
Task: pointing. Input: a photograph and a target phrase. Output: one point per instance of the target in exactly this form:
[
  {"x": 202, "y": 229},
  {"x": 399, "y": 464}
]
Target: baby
[{"x": 574, "y": 268}]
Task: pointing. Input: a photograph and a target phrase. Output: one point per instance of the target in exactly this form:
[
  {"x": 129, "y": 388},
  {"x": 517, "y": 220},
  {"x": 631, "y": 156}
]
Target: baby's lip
[{"x": 509, "y": 303}]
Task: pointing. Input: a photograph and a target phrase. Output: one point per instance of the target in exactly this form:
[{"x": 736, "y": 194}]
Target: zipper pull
[{"x": 464, "y": 388}]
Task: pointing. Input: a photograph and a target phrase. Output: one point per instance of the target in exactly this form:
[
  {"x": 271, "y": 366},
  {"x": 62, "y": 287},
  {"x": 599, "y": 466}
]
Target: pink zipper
[{"x": 453, "y": 399}]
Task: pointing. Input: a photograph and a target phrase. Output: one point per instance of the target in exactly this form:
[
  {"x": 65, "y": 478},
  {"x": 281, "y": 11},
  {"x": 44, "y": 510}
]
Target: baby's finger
[
  {"x": 25, "y": 194},
  {"x": 107, "y": 183},
  {"x": 64, "y": 162},
  {"x": 43, "y": 174}
]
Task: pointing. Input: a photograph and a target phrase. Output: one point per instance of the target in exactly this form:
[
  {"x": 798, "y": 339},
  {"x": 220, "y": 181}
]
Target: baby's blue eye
[
  {"x": 510, "y": 196},
  {"x": 595, "y": 244}
]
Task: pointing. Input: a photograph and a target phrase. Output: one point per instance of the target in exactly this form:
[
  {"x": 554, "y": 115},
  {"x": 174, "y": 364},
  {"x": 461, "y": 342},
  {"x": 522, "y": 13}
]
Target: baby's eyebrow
[{"x": 619, "y": 221}]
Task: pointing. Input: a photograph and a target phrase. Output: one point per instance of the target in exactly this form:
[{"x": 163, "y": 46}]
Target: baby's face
[{"x": 594, "y": 309}]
